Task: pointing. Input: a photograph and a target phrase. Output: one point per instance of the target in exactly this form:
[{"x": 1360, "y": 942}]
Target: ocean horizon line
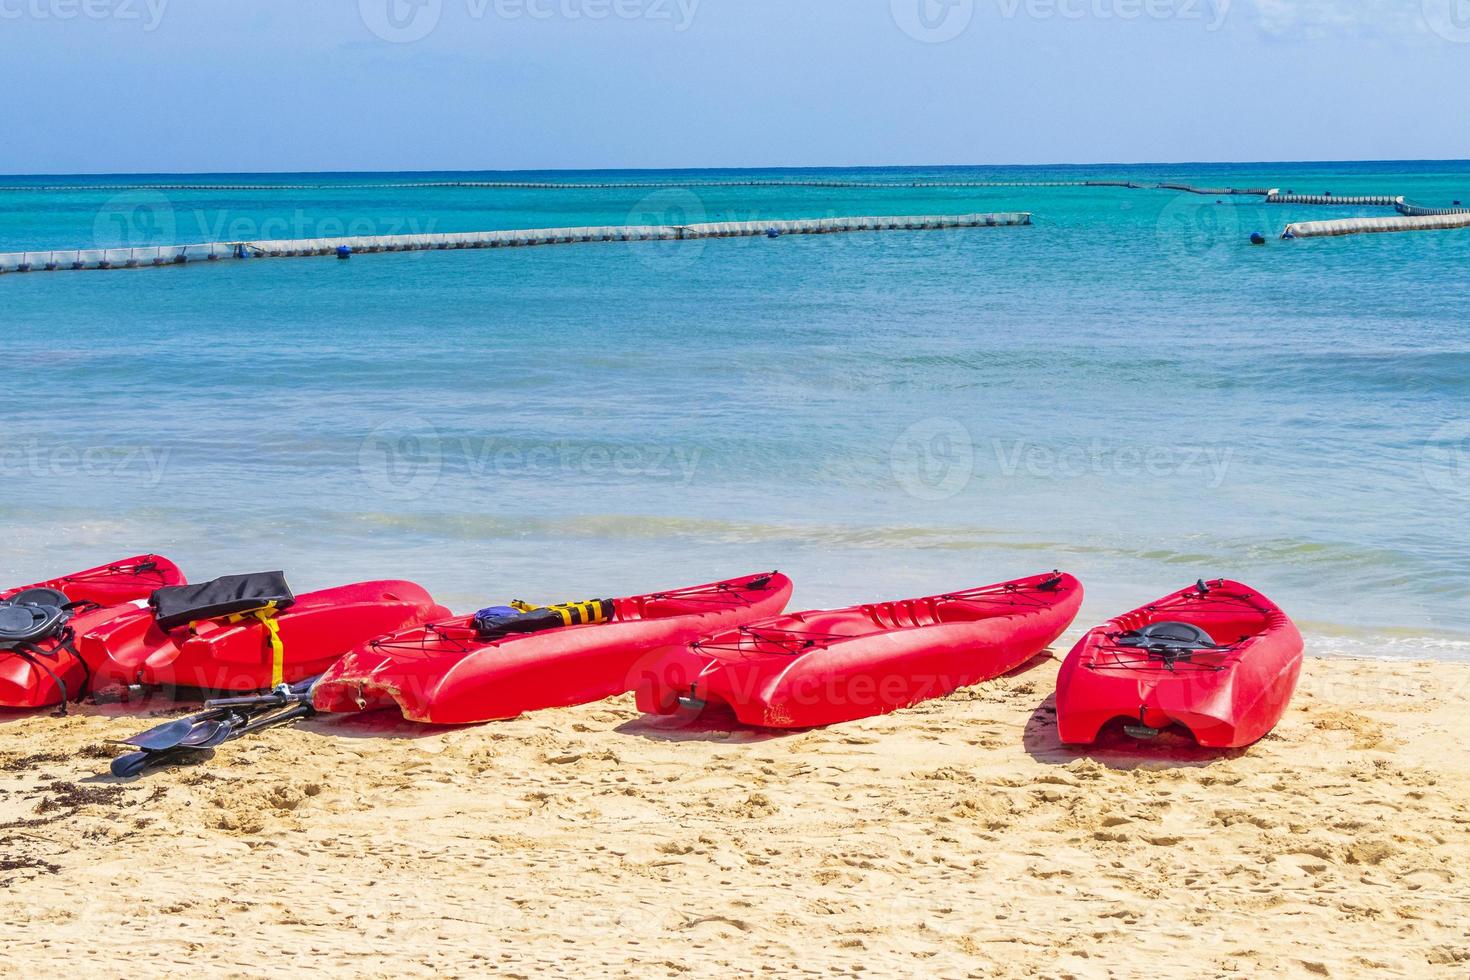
[{"x": 840, "y": 168}]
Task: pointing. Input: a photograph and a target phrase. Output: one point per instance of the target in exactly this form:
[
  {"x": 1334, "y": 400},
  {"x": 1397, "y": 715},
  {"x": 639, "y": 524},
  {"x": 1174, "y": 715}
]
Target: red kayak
[
  {"x": 820, "y": 668},
  {"x": 1219, "y": 659},
  {"x": 39, "y": 662},
  {"x": 247, "y": 633},
  {"x": 449, "y": 673}
]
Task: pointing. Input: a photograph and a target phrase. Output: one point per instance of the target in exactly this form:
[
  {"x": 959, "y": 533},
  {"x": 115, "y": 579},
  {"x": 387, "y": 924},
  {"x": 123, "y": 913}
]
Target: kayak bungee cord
[
  {"x": 1009, "y": 592},
  {"x": 456, "y": 637},
  {"x": 724, "y": 594},
  {"x": 146, "y": 566},
  {"x": 787, "y": 640},
  {"x": 1159, "y": 655}
]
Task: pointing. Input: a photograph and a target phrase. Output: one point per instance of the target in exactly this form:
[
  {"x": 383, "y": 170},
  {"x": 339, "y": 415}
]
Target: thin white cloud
[{"x": 1316, "y": 20}]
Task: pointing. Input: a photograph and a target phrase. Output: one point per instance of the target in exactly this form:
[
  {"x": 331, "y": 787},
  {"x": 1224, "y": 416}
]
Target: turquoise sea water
[{"x": 1127, "y": 390}]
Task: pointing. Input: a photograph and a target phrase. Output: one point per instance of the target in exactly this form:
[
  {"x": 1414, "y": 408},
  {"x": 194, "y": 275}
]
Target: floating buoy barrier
[
  {"x": 1367, "y": 201},
  {"x": 1213, "y": 191},
  {"x": 1363, "y": 226},
  {"x": 1414, "y": 210},
  {"x": 211, "y": 251}
]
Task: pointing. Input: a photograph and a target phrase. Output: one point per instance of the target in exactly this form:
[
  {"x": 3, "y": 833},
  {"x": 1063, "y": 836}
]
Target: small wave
[{"x": 1385, "y": 643}]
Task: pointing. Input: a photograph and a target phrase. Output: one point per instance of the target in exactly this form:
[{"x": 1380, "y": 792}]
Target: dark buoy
[
  {"x": 1457, "y": 204},
  {"x": 344, "y": 252},
  {"x": 1257, "y": 238},
  {"x": 773, "y": 233}
]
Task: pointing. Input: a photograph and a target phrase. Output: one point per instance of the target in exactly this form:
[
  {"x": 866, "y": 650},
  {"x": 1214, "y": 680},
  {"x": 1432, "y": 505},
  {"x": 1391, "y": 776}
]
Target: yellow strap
[
  {"x": 278, "y": 649},
  {"x": 571, "y": 613},
  {"x": 266, "y": 615}
]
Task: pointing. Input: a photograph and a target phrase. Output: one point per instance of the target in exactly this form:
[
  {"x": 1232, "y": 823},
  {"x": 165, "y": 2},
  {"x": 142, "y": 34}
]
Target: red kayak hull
[
  {"x": 1226, "y": 699},
  {"x": 829, "y": 666},
  {"x": 442, "y": 674},
  {"x": 218, "y": 655},
  {"x": 105, "y": 593}
]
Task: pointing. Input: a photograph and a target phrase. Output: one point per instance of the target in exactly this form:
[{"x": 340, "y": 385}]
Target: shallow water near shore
[{"x": 1127, "y": 390}]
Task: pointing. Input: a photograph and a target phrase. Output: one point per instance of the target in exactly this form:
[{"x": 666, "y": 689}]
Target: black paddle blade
[
  {"x": 163, "y": 737},
  {"x": 208, "y": 734},
  {"x": 127, "y": 766},
  {"x": 171, "y": 734}
]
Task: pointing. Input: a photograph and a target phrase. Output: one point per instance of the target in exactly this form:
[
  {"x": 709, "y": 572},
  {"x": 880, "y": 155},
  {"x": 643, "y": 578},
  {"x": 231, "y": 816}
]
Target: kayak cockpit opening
[{"x": 1168, "y": 643}]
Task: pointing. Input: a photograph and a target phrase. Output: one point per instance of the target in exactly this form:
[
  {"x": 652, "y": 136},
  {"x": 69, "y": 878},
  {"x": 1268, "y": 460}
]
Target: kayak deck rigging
[
  {"x": 788, "y": 641},
  {"x": 1151, "y": 660}
]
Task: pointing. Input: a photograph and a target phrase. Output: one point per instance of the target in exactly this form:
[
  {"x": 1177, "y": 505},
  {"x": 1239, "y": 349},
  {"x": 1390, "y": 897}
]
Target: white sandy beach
[{"x": 956, "y": 839}]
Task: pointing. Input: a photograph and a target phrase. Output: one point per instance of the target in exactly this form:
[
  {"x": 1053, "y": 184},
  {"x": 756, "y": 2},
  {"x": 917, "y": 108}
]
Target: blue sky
[{"x": 260, "y": 85}]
